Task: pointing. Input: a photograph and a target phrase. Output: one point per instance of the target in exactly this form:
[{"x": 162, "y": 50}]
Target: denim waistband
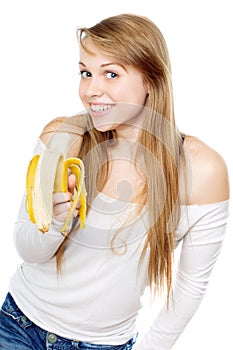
[{"x": 52, "y": 340}]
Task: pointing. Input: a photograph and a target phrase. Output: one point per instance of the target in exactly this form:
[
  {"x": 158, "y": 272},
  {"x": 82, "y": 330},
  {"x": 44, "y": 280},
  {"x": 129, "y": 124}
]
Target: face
[{"x": 112, "y": 93}]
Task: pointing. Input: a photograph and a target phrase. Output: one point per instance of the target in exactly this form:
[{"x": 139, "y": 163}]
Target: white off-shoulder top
[{"x": 98, "y": 296}]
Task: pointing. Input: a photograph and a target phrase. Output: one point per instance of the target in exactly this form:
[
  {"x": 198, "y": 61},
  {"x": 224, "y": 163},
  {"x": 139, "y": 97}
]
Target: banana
[
  {"x": 29, "y": 185},
  {"x": 48, "y": 173}
]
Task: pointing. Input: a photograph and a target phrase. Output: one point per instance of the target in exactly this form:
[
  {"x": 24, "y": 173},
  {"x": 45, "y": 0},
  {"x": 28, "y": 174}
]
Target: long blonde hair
[{"x": 135, "y": 40}]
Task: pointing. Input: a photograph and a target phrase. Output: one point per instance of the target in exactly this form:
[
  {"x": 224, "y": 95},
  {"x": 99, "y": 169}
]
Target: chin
[{"x": 105, "y": 127}]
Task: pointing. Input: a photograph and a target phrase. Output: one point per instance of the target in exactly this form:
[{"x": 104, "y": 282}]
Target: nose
[{"x": 94, "y": 87}]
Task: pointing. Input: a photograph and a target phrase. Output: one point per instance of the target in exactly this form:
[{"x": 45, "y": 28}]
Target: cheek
[
  {"x": 132, "y": 94},
  {"x": 80, "y": 91},
  {"x": 137, "y": 91},
  {"x": 138, "y": 96}
]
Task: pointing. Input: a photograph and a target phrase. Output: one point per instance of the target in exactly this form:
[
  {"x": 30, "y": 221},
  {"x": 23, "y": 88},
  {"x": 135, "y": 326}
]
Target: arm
[
  {"x": 31, "y": 244},
  {"x": 200, "y": 248}
]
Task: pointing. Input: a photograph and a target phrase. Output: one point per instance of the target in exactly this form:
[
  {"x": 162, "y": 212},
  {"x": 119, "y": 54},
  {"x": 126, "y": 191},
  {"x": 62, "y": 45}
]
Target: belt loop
[{"x": 75, "y": 343}]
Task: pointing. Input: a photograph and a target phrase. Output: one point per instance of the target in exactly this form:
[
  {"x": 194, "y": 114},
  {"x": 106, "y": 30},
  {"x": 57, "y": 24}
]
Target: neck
[{"x": 128, "y": 132}]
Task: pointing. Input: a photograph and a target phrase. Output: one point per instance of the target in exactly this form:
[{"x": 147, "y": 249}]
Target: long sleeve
[
  {"x": 200, "y": 248},
  {"x": 33, "y": 246}
]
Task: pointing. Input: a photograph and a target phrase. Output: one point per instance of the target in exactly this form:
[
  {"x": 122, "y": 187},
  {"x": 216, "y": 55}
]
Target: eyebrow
[{"x": 106, "y": 65}]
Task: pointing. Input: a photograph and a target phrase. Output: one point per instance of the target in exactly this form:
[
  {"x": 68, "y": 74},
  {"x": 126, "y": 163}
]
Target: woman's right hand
[{"x": 62, "y": 202}]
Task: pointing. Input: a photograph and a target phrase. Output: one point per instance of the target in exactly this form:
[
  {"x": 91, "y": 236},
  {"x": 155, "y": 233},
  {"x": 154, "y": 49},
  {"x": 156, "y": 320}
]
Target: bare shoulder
[
  {"x": 50, "y": 128},
  {"x": 209, "y": 174},
  {"x": 75, "y": 125},
  {"x": 72, "y": 125}
]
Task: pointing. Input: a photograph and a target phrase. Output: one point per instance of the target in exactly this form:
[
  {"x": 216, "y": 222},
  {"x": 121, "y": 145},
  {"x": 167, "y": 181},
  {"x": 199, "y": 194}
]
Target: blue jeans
[{"x": 17, "y": 332}]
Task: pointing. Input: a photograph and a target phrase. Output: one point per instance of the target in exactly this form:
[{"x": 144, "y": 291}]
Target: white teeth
[{"x": 100, "y": 108}]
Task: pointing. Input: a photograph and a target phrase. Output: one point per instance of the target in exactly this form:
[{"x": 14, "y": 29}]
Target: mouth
[
  {"x": 102, "y": 115},
  {"x": 100, "y": 108}
]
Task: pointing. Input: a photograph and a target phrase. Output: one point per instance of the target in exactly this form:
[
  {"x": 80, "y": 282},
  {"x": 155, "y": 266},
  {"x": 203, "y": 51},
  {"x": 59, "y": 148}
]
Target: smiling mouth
[{"x": 100, "y": 108}]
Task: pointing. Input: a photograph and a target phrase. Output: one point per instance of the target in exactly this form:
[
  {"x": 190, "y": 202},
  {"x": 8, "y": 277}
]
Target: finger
[
  {"x": 61, "y": 208},
  {"x": 60, "y": 212},
  {"x": 61, "y": 217},
  {"x": 75, "y": 214},
  {"x": 71, "y": 183},
  {"x": 61, "y": 197}
]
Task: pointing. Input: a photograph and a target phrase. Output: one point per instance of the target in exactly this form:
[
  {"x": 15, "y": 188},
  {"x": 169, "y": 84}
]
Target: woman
[{"x": 149, "y": 188}]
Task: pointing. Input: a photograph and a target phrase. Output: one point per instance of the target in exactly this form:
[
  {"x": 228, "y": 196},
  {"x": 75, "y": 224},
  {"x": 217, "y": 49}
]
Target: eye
[
  {"x": 85, "y": 74},
  {"x": 111, "y": 75}
]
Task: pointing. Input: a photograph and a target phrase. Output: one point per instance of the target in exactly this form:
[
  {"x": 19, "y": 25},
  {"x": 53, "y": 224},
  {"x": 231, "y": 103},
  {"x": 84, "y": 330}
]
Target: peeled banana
[{"x": 48, "y": 173}]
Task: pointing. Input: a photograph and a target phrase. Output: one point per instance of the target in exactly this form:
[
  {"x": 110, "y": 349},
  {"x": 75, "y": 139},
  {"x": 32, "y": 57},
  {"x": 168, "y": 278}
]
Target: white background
[{"x": 39, "y": 81}]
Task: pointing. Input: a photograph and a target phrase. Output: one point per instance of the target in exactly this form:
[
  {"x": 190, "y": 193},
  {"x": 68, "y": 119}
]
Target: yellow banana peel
[{"x": 48, "y": 173}]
